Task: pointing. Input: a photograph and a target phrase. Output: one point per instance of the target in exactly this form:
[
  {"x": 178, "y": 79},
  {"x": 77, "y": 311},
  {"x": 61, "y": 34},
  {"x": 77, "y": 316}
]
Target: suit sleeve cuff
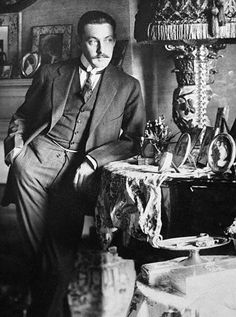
[{"x": 91, "y": 161}]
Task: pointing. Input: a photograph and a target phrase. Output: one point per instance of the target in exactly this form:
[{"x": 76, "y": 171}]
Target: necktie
[{"x": 87, "y": 90}]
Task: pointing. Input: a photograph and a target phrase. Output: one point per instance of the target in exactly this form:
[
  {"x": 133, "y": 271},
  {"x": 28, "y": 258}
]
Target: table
[
  {"x": 131, "y": 198},
  {"x": 142, "y": 202},
  {"x": 170, "y": 289}
]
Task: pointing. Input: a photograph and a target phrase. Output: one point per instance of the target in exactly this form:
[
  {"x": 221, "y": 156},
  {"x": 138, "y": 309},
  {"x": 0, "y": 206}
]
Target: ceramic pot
[{"x": 102, "y": 285}]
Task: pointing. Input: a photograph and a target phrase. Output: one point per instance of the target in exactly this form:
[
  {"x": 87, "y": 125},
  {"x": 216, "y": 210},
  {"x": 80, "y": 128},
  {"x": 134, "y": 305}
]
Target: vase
[{"x": 102, "y": 285}]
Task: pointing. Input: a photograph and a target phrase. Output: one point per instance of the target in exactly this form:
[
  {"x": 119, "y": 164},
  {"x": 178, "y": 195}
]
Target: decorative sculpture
[{"x": 195, "y": 67}]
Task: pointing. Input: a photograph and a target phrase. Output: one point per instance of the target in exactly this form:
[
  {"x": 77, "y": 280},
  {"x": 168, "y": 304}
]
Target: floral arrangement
[{"x": 156, "y": 138}]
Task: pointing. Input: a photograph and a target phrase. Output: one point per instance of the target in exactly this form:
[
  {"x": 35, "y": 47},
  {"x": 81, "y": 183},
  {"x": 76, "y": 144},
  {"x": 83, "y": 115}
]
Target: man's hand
[{"x": 83, "y": 176}]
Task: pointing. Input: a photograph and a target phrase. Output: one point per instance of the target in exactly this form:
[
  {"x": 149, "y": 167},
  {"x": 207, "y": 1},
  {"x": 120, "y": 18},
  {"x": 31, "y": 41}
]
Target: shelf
[{"x": 20, "y": 82}]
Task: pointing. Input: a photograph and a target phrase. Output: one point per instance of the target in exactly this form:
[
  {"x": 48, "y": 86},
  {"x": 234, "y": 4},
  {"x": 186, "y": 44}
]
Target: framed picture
[
  {"x": 10, "y": 36},
  {"x": 221, "y": 153},
  {"x": 195, "y": 135},
  {"x": 5, "y": 71},
  {"x": 202, "y": 158},
  {"x": 52, "y": 42},
  {"x": 30, "y": 64},
  {"x": 182, "y": 150},
  {"x": 3, "y": 44}
]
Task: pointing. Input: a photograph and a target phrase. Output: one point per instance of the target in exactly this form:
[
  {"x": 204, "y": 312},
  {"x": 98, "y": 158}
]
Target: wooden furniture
[
  {"x": 201, "y": 205},
  {"x": 144, "y": 204}
]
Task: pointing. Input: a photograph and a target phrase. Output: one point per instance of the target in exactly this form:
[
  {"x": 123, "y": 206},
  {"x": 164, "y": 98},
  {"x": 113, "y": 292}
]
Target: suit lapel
[
  {"x": 60, "y": 91},
  {"x": 106, "y": 93}
]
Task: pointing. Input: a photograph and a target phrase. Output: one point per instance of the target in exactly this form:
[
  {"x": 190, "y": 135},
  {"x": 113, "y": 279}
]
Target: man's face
[{"x": 97, "y": 44}]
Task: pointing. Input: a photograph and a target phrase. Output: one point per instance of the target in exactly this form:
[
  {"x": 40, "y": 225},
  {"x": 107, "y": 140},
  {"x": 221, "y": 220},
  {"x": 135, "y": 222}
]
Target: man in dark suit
[{"x": 77, "y": 116}]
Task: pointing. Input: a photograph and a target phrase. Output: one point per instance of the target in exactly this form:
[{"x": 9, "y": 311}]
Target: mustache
[{"x": 101, "y": 55}]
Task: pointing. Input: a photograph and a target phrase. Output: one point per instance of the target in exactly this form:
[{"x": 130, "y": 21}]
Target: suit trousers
[{"x": 49, "y": 213}]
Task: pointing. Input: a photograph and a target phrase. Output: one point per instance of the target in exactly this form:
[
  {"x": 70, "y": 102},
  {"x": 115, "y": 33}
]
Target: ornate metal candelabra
[{"x": 195, "y": 67}]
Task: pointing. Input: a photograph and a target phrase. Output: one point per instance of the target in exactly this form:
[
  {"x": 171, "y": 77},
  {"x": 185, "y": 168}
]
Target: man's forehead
[{"x": 98, "y": 27}]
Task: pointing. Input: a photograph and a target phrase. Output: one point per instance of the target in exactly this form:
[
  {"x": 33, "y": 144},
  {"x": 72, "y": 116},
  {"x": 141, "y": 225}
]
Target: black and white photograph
[{"x": 117, "y": 158}]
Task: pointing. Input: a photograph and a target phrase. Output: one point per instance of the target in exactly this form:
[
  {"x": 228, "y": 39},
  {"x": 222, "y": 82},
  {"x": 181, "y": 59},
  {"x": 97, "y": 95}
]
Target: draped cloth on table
[{"x": 130, "y": 200}]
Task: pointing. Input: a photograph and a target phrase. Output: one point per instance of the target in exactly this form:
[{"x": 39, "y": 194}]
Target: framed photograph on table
[
  {"x": 222, "y": 152},
  {"x": 182, "y": 150},
  {"x": 202, "y": 158},
  {"x": 52, "y": 42}
]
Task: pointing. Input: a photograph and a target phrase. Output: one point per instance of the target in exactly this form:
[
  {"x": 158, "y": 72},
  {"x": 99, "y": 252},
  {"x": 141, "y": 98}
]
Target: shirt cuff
[{"x": 92, "y": 162}]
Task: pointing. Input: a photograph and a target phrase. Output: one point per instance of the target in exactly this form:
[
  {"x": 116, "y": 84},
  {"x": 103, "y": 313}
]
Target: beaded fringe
[{"x": 197, "y": 31}]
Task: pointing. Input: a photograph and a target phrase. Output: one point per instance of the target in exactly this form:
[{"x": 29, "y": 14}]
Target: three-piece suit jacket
[{"x": 117, "y": 122}]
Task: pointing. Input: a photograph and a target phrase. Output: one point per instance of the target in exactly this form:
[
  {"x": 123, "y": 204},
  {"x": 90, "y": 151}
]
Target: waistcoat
[{"x": 71, "y": 130}]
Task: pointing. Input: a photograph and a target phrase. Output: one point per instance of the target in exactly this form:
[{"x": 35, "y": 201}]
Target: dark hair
[{"x": 95, "y": 17}]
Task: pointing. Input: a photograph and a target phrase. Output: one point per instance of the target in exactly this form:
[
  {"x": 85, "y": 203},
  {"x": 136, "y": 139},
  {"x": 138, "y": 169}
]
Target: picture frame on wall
[
  {"x": 52, "y": 42},
  {"x": 5, "y": 71},
  {"x": 10, "y": 35},
  {"x": 3, "y": 44}
]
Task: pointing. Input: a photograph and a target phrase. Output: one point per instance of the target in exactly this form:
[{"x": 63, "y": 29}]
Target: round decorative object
[
  {"x": 182, "y": 150},
  {"x": 148, "y": 148},
  {"x": 30, "y": 64},
  {"x": 193, "y": 244},
  {"x": 221, "y": 154}
]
